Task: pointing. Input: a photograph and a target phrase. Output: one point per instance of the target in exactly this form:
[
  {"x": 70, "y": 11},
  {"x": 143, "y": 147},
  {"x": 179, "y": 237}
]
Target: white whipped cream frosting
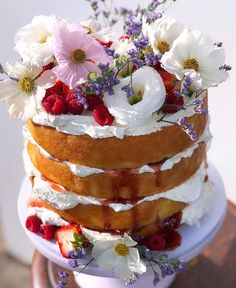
[
  {"x": 187, "y": 192},
  {"x": 197, "y": 209},
  {"x": 47, "y": 216},
  {"x": 84, "y": 171},
  {"x": 85, "y": 125}
]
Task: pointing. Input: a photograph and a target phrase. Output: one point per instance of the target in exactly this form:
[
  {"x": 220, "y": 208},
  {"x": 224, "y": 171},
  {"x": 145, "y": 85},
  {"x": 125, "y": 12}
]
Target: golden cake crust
[
  {"x": 143, "y": 220},
  {"x": 107, "y": 186},
  {"x": 114, "y": 153}
]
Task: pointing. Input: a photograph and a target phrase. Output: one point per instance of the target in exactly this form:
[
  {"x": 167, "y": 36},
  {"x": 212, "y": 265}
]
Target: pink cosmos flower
[{"x": 77, "y": 54}]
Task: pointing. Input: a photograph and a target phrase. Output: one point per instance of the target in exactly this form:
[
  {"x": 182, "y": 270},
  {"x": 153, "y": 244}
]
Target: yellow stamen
[
  {"x": 122, "y": 250},
  {"x": 90, "y": 31},
  {"x": 44, "y": 38},
  {"x": 26, "y": 84},
  {"x": 163, "y": 46},
  {"x": 136, "y": 98},
  {"x": 191, "y": 63},
  {"x": 78, "y": 56}
]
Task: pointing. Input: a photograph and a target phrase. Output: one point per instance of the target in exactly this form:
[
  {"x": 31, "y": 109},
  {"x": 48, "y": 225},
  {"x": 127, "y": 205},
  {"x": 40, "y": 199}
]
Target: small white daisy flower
[
  {"x": 120, "y": 256},
  {"x": 25, "y": 88},
  {"x": 196, "y": 51}
]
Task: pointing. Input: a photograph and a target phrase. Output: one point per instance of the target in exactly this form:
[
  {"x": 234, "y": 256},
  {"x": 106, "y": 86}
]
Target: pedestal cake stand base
[{"x": 194, "y": 240}]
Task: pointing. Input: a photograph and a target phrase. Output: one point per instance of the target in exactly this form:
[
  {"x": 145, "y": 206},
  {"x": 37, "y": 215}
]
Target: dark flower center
[{"x": 78, "y": 56}]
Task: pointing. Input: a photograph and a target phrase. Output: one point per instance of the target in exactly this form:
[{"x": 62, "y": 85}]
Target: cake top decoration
[{"x": 155, "y": 67}]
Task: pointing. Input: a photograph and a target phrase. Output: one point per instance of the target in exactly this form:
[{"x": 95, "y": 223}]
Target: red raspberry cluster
[
  {"x": 167, "y": 238},
  {"x": 35, "y": 225},
  {"x": 61, "y": 100}
]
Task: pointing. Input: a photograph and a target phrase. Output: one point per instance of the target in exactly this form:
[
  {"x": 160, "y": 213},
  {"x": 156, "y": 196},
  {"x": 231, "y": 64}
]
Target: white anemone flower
[
  {"x": 120, "y": 256},
  {"x": 196, "y": 51},
  {"x": 25, "y": 88},
  {"x": 162, "y": 33},
  {"x": 149, "y": 96},
  {"x": 34, "y": 41},
  {"x": 96, "y": 31}
]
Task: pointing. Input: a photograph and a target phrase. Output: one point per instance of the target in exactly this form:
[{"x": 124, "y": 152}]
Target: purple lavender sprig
[
  {"x": 152, "y": 17},
  {"x": 161, "y": 265},
  {"x": 186, "y": 84},
  {"x": 151, "y": 59},
  {"x": 79, "y": 95},
  {"x": 104, "y": 83},
  {"x": 133, "y": 27},
  {"x": 128, "y": 90},
  {"x": 141, "y": 43},
  {"x": 225, "y": 68},
  {"x": 188, "y": 128},
  {"x": 111, "y": 52},
  {"x": 62, "y": 279}
]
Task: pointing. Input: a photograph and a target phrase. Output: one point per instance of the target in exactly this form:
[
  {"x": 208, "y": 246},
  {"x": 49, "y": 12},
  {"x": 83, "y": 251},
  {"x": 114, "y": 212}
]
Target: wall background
[{"x": 217, "y": 18}]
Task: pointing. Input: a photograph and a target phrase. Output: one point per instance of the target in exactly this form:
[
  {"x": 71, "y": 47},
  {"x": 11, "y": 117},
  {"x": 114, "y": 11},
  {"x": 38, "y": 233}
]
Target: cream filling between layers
[
  {"x": 62, "y": 199},
  {"x": 47, "y": 216},
  {"x": 81, "y": 125},
  {"x": 191, "y": 214},
  {"x": 84, "y": 171}
]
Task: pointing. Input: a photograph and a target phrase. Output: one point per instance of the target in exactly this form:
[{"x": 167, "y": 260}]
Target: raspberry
[
  {"x": 102, "y": 116},
  {"x": 173, "y": 240},
  {"x": 93, "y": 101},
  {"x": 48, "y": 231},
  {"x": 172, "y": 223},
  {"x": 55, "y": 104},
  {"x": 70, "y": 95},
  {"x": 33, "y": 223},
  {"x": 156, "y": 242},
  {"x": 53, "y": 90},
  {"x": 75, "y": 107}
]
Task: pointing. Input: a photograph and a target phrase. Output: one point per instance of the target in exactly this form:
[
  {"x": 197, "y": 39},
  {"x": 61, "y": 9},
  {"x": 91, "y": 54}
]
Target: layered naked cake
[
  {"x": 116, "y": 133},
  {"x": 134, "y": 198}
]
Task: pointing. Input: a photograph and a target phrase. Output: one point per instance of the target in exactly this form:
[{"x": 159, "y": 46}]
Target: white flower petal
[
  {"x": 165, "y": 29},
  {"x": 107, "y": 260},
  {"x": 134, "y": 262},
  {"x": 34, "y": 41},
  {"x": 101, "y": 246},
  {"x": 8, "y": 89},
  {"x": 128, "y": 241},
  {"x": 46, "y": 80},
  {"x": 121, "y": 268}
]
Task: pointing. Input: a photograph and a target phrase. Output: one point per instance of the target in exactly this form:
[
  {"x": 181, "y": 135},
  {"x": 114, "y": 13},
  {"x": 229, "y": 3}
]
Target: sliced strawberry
[
  {"x": 65, "y": 236},
  {"x": 169, "y": 80}
]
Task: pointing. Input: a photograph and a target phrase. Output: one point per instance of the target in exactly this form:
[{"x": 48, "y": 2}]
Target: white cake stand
[{"x": 194, "y": 240}]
